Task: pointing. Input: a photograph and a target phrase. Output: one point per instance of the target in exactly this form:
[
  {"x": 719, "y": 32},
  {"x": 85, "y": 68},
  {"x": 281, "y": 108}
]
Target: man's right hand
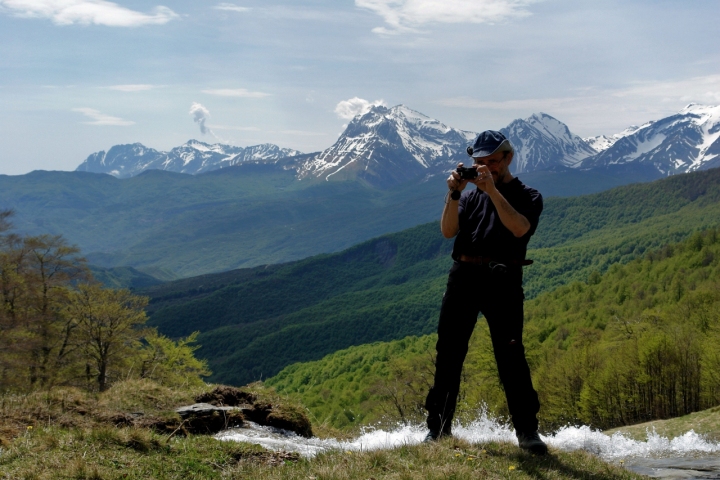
[{"x": 454, "y": 182}]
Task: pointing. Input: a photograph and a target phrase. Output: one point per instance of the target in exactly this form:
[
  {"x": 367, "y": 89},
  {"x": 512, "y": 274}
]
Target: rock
[
  {"x": 227, "y": 396},
  {"x": 286, "y": 418},
  {"x": 262, "y": 412},
  {"x": 207, "y": 418}
]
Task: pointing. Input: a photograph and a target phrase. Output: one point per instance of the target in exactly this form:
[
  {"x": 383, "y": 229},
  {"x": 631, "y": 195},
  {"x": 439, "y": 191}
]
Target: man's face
[{"x": 498, "y": 163}]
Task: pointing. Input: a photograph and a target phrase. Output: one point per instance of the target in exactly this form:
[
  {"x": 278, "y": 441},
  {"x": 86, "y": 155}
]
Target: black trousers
[{"x": 497, "y": 294}]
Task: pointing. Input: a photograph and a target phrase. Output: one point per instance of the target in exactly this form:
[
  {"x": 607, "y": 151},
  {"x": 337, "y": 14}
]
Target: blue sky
[{"x": 78, "y": 76}]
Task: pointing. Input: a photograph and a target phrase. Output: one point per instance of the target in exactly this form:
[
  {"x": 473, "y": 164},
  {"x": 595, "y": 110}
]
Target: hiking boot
[
  {"x": 531, "y": 442},
  {"x": 434, "y": 435}
]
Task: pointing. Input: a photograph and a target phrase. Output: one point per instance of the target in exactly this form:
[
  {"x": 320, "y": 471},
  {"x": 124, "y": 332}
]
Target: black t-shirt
[{"x": 481, "y": 231}]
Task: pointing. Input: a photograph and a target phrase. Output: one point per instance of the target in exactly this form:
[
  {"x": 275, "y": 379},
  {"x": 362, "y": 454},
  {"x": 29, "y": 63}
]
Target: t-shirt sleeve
[{"x": 531, "y": 209}]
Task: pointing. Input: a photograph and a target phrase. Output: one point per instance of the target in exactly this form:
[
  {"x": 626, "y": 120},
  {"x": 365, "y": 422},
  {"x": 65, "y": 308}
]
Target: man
[{"x": 492, "y": 225}]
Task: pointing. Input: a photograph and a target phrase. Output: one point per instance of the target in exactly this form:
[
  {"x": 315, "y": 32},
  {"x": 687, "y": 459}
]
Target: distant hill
[
  {"x": 256, "y": 321},
  {"x": 171, "y": 225}
]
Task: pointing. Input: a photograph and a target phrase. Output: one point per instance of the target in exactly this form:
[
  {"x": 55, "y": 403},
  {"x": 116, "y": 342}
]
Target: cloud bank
[
  {"x": 99, "y": 118},
  {"x": 349, "y": 109},
  {"x": 231, "y": 7},
  {"x": 88, "y": 12},
  {"x": 406, "y": 15}
]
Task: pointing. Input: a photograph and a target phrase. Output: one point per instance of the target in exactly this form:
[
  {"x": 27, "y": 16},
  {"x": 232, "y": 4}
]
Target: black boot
[
  {"x": 531, "y": 442},
  {"x": 435, "y": 435}
]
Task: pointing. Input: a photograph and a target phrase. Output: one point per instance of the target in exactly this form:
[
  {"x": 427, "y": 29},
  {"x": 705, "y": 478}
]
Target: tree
[
  {"x": 108, "y": 328},
  {"x": 171, "y": 363},
  {"x": 36, "y": 276}
]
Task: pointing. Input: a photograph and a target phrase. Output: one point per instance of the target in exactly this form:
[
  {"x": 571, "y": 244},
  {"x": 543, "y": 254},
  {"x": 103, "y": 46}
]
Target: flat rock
[{"x": 202, "y": 409}]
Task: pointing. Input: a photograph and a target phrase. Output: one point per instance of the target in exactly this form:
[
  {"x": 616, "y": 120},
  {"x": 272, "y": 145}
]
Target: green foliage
[
  {"x": 254, "y": 322},
  {"x": 170, "y": 363},
  {"x": 640, "y": 342}
]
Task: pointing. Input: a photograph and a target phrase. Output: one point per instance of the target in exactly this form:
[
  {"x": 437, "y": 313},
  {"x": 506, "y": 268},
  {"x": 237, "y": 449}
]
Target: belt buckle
[{"x": 497, "y": 268}]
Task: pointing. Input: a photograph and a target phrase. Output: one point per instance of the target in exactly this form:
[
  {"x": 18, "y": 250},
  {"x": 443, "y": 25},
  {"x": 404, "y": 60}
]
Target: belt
[{"x": 489, "y": 260}]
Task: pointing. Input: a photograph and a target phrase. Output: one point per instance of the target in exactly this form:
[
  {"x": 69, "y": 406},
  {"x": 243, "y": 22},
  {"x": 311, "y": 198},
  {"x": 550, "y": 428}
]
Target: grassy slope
[
  {"x": 255, "y": 322},
  {"x": 66, "y": 433},
  {"x": 52, "y": 453},
  {"x": 705, "y": 422},
  {"x": 351, "y": 386}
]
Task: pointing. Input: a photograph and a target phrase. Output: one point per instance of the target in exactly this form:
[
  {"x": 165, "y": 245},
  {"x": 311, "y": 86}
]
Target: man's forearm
[
  {"x": 513, "y": 221},
  {"x": 450, "y": 222}
]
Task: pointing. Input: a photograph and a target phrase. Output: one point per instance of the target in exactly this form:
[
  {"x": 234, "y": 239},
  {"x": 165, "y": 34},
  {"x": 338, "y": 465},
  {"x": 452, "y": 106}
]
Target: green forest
[
  {"x": 637, "y": 343},
  {"x": 254, "y": 322}
]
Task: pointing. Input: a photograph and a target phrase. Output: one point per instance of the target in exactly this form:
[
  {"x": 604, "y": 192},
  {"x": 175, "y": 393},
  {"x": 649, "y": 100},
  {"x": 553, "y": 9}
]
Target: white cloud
[
  {"x": 349, "y": 109},
  {"x": 406, "y": 15},
  {"x": 200, "y": 115},
  {"x": 87, "y": 12},
  {"x": 130, "y": 88},
  {"x": 236, "y": 92},
  {"x": 231, "y": 7},
  {"x": 99, "y": 118}
]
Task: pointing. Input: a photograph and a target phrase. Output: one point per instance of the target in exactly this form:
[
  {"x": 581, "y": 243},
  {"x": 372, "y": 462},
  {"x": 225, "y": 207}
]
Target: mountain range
[
  {"x": 123, "y": 161},
  {"x": 391, "y": 146}
]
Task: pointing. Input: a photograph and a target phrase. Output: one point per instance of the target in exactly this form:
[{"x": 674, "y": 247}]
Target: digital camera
[{"x": 467, "y": 173}]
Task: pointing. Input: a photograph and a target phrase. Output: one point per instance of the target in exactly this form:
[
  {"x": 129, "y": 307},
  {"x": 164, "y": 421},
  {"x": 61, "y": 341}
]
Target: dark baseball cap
[{"x": 489, "y": 142}]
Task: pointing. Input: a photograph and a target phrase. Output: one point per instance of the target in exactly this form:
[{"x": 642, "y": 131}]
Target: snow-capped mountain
[
  {"x": 684, "y": 142},
  {"x": 603, "y": 142},
  {"x": 388, "y": 146},
  {"x": 193, "y": 157},
  {"x": 542, "y": 142}
]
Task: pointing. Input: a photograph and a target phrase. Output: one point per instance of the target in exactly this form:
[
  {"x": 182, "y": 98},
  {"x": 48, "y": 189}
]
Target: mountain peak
[
  {"x": 686, "y": 141},
  {"x": 387, "y": 146},
  {"x": 543, "y": 142}
]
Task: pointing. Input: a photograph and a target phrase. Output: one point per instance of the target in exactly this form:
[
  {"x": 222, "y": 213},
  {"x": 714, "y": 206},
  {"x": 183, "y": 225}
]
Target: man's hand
[
  {"x": 484, "y": 180},
  {"x": 454, "y": 182}
]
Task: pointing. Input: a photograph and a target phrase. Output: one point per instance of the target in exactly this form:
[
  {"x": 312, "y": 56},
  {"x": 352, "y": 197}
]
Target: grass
[
  {"x": 126, "y": 453},
  {"x": 68, "y": 433},
  {"x": 705, "y": 422}
]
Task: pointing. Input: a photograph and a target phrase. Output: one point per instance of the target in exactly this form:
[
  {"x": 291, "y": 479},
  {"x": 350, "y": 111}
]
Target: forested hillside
[
  {"x": 639, "y": 342},
  {"x": 172, "y": 225},
  {"x": 254, "y": 322}
]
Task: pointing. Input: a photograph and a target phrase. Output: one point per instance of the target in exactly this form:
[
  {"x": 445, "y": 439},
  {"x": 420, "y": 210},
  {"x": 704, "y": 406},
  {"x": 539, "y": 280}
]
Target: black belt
[{"x": 489, "y": 260}]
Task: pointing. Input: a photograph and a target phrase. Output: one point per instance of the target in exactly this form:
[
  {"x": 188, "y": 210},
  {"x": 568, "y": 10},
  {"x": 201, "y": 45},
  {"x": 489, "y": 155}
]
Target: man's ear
[{"x": 510, "y": 157}]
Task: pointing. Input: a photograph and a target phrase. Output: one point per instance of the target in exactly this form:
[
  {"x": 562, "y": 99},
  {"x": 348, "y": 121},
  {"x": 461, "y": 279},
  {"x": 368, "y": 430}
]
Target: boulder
[{"x": 207, "y": 418}]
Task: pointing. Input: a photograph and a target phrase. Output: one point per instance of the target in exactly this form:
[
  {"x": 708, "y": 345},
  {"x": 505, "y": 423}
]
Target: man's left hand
[{"x": 484, "y": 180}]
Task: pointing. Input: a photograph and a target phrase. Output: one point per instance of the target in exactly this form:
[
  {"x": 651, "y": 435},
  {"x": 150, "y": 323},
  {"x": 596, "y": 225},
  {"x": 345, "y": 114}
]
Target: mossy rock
[{"x": 286, "y": 417}]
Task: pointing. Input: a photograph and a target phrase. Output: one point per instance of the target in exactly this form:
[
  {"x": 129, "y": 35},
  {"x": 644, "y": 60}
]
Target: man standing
[{"x": 492, "y": 225}]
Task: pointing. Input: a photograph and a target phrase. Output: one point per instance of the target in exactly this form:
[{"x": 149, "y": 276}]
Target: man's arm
[
  {"x": 513, "y": 221},
  {"x": 450, "y": 220},
  {"x": 517, "y": 223}
]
